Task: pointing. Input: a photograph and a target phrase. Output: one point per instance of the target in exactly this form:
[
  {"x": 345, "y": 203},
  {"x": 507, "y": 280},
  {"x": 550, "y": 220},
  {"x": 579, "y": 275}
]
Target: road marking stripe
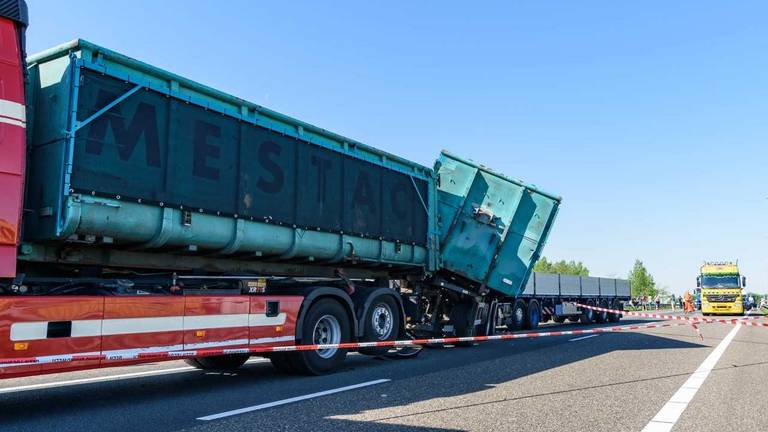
[
  {"x": 291, "y": 400},
  {"x": 107, "y": 378},
  {"x": 668, "y": 415},
  {"x": 583, "y": 337}
]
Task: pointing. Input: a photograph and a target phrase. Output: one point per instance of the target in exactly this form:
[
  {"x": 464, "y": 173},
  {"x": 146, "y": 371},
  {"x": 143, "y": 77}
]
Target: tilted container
[{"x": 492, "y": 228}]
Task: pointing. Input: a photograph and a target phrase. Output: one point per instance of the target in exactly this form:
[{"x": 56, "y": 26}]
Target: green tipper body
[
  {"x": 492, "y": 228},
  {"x": 134, "y": 166}
]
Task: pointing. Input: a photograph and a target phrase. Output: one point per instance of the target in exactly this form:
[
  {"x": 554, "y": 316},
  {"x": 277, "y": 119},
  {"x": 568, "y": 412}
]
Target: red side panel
[
  {"x": 12, "y": 145},
  {"x": 25, "y": 320},
  {"x": 219, "y": 320},
  {"x": 280, "y": 330},
  {"x": 146, "y": 323}
]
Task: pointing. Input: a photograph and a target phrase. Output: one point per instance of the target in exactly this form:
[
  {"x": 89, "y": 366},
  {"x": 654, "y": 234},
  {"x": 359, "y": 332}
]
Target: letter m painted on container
[{"x": 126, "y": 129}]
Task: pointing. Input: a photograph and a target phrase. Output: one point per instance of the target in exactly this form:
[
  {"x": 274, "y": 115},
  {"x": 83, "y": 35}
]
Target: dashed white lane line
[
  {"x": 105, "y": 378},
  {"x": 583, "y": 337},
  {"x": 668, "y": 415},
  {"x": 291, "y": 400}
]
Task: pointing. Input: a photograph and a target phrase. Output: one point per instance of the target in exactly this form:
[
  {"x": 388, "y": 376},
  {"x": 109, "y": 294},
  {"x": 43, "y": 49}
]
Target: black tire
[
  {"x": 576, "y": 318},
  {"x": 533, "y": 317},
  {"x": 376, "y": 329},
  {"x": 558, "y": 319},
  {"x": 612, "y": 317},
  {"x": 587, "y": 315},
  {"x": 488, "y": 328},
  {"x": 519, "y": 314},
  {"x": 602, "y": 316},
  {"x": 462, "y": 317},
  {"x": 324, "y": 322},
  {"x": 223, "y": 362},
  {"x": 282, "y": 362}
]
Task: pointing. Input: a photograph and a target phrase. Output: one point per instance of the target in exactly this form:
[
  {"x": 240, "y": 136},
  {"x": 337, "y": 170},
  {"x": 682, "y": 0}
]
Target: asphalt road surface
[{"x": 659, "y": 379}]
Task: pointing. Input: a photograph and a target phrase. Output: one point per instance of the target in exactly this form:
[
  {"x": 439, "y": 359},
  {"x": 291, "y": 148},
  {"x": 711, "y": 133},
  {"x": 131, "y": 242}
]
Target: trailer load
[{"x": 160, "y": 214}]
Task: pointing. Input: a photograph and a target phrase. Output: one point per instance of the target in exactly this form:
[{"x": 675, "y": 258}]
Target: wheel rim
[
  {"x": 382, "y": 321},
  {"x": 327, "y": 331}
]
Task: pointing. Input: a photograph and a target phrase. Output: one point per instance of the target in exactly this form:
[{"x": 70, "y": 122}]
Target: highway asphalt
[{"x": 610, "y": 382}]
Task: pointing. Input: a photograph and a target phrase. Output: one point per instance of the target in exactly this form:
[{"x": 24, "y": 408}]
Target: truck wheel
[
  {"x": 612, "y": 317},
  {"x": 462, "y": 317},
  {"x": 576, "y": 318},
  {"x": 519, "y": 314},
  {"x": 534, "y": 315},
  {"x": 381, "y": 323},
  {"x": 326, "y": 322},
  {"x": 558, "y": 319},
  {"x": 587, "y": 315},
  {"x": 602, "y": 316},
  {"x": 223, "y": 362}
]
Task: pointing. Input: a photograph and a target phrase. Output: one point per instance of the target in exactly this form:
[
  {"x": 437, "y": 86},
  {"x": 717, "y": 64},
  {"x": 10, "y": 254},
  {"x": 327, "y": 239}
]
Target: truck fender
[
  {"x": 312, "y": 294},
  {"x": 363, "y": 298}
]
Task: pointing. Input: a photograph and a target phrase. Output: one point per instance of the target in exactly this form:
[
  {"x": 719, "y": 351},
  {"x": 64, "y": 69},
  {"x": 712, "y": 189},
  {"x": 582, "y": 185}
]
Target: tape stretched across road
[
  {"x": 745, "y": 321},
  {"x": 175, "y": 355}
]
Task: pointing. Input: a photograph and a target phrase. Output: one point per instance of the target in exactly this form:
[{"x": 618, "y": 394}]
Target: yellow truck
[{"x": 720, "y": 285}]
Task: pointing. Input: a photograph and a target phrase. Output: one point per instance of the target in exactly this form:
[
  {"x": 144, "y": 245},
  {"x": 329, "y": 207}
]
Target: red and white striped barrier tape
[
  {"x": 164, "y": 355},
  {"x": 745, "y": 321}
]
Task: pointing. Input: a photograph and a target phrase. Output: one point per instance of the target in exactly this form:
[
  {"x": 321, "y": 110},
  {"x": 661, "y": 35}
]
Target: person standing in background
[{"x": 688, "y": 302}]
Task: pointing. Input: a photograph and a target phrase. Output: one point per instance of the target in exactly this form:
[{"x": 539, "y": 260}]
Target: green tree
[
  {"x": 642, "y": 282},
  {"x": 561, "y": 267}
]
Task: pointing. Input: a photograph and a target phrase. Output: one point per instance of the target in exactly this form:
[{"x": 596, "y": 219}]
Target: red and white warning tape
[
  {"x": 164, "y": 355},
  {"x": 743, "y": 321}
]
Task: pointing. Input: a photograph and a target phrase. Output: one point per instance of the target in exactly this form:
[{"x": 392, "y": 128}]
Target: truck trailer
[{"x": 144, "y": 212}]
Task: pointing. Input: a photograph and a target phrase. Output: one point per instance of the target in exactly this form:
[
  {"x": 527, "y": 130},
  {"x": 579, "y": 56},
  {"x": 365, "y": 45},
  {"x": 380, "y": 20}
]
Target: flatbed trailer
[{"x": 549, "y": 296}]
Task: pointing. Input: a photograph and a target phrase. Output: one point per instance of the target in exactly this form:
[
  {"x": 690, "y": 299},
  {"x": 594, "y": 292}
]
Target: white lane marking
[
  {"x": 583, "y": 337},
  {"x": 291, "y": 400},
  {"x": 668, "y": 415},
  {"x": 106, "y": 378}
]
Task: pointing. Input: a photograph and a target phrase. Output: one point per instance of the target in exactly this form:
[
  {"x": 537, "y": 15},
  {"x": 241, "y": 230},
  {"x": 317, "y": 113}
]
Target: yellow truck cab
[{"x": 721, "y": 288}]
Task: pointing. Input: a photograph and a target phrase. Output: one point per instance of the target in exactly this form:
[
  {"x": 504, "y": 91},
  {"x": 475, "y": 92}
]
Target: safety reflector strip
[{"x": 746, "y": 321}]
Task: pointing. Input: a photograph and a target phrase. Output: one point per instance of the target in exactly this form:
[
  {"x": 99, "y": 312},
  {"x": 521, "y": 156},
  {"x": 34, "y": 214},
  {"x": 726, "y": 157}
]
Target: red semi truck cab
[{"x": 12, "y": 130}]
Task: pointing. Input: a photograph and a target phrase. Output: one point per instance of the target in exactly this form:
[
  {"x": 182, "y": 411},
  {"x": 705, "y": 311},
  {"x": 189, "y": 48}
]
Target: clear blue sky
[{"x": 649, "y": 118}]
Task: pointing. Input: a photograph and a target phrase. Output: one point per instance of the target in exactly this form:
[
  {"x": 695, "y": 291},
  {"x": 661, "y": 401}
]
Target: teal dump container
[
  {"x": 127, "y": 156},
  {"x": 133, "y": 166},
  {"x": 492, "y": 228}
]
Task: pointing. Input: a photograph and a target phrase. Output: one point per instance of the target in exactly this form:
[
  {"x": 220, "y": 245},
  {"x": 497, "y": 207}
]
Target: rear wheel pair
[
  {"x": 524, "y": 317},
  {"x": 327, "y": 322}
]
